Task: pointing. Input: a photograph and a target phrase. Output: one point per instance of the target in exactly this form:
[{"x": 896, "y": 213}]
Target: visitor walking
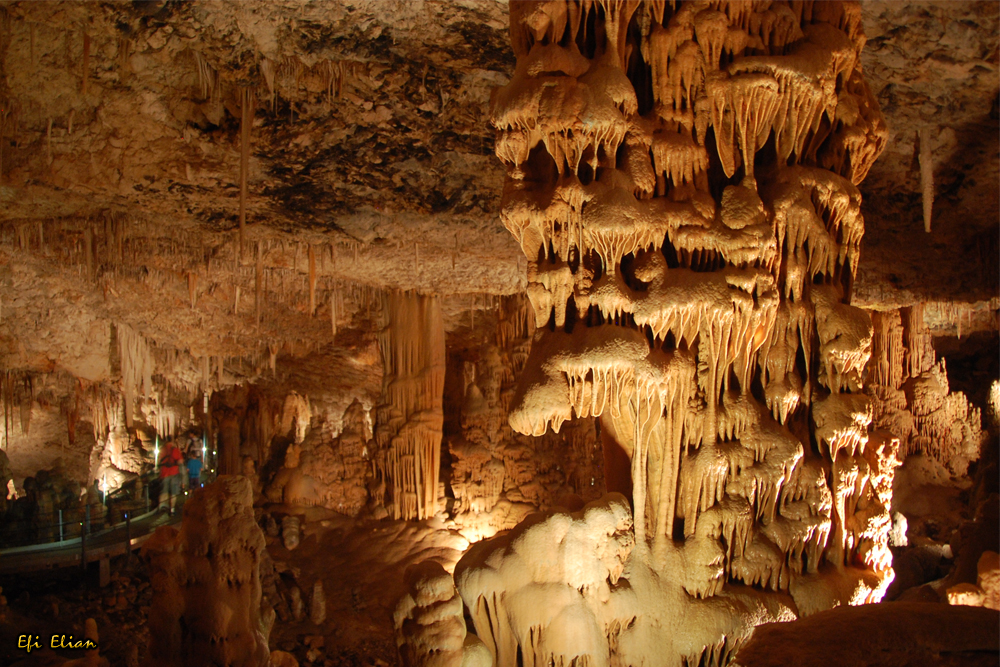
[
  {"x": 170, "y": 474},
  {"x": 194, "y": 466}
]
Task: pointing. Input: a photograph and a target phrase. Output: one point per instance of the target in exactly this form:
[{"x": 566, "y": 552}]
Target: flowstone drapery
[
  {"x": 911, "y": 397},
  {"x": 682, "y": 179},
  {"x": 410, "y": 417}
]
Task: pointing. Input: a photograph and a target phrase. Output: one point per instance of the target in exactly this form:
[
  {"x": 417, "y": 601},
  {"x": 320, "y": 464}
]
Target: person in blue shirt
[{"x": 194, "y": 465}]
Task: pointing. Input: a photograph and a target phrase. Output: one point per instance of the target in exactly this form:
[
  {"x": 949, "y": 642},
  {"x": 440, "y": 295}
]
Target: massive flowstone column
[
  {"x": 682, "y": 179},
  {"x": 410, "y": 414}
]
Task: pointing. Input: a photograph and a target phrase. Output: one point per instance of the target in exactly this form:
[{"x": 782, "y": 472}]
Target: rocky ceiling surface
[
  {"x": 369, "y": 165},
  {"x": 933, "y": 68}
]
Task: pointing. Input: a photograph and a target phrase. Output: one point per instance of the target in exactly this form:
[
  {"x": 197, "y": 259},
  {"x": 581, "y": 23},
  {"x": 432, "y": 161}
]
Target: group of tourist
[{"x": 178, "y": 470}]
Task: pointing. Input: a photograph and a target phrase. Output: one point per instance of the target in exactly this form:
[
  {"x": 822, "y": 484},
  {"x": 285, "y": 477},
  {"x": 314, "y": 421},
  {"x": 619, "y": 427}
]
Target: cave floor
[{"x": 361, "y": 564}]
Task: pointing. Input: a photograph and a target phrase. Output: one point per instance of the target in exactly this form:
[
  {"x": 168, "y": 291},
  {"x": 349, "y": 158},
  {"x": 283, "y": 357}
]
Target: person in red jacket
[{"x": 170, "y": 474}]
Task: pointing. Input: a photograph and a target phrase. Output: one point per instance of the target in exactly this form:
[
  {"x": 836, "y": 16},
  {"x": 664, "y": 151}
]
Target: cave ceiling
[{"x": 370, "y": 166}]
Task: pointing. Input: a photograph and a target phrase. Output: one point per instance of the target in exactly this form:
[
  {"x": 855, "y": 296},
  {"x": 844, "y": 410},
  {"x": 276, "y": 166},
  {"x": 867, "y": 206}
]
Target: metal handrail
[
  {"x": 36, "y": 529},
  {"x": 42, "y": 546}
]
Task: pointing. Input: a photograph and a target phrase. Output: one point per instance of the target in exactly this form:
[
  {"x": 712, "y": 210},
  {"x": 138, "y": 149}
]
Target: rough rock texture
[
  {"x": 913, "y": 634},
  {"x": 399, "y": 91},
  {"x": 496, "y": 474},
  {"x": 933, "y": 69},
  {"x": 206, "y": 584},
  {"x": 367, "y": 165}
]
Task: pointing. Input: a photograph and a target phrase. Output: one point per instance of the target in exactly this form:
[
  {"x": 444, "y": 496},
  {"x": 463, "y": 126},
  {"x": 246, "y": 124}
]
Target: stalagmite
[
  {"x": 663, "y": 294},
  {"x": 290, "y": 532},
  {"x": 429, "y": 627},
  {"x": 317, "y": 604},
  {"x": 206, "y": 605},
  {"x": 296, "y": 603},
  {"x": 548, "y": 592}
]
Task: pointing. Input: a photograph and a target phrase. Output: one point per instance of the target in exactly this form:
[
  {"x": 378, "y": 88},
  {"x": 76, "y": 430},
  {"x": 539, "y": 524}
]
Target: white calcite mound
[
  {"x": 550, "y": 586},
  {"x": 430, "y": 628}
]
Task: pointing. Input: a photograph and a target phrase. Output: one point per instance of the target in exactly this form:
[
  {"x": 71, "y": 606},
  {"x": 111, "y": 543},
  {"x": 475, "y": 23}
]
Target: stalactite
[
  {"x": 258, "y": 283},
  {"x": 192, "y": 281},
  {"x": 207, "y": 80},
  {"x": 137, "y": 367},
  {"x": 246, "y": 120},
  {"x": 86, "y": 62},
  {"x": 312, "y": 281},
  {"x": 410, "y": 413},
  {"x": 333, "y": 313},
  {"x": 911, "y": 396},
  {"x": 88, "y": 250},
  {"x": 926, "y": 177},
  {"x": 124, "y": 54}
]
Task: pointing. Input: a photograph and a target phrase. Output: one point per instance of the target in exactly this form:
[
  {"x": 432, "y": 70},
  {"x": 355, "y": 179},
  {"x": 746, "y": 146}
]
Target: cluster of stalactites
[
  {"x": 682, "y": 179},
  {"x": 593, "y": 182},
  {"x": 137, "y": 366},
  {"x": 410, "y": 412},
  {"x": 788, "y": 73},
  {"x": 911, "y": 395}
]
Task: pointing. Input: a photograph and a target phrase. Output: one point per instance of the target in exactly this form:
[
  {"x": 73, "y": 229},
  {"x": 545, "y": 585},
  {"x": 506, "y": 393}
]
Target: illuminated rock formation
[
  {"x": 911, "y": 397},
  {"x": 547, "y": 592},
  {"x": 430, "y": 629},
  {"x": 682, "y": 180},
  {"x": 206, "y": 584},
  {"x": 410, "y": 417},
  {"x": 497, "y": 474}
]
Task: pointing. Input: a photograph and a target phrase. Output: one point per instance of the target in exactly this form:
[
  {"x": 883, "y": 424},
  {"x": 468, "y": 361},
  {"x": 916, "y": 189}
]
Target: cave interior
[{"x": 476, "y": 333}]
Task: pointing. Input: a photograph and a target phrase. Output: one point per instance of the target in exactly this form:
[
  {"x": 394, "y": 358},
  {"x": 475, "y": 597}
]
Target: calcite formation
[
  {"x": 327, "y": 470},
  {"x": 430, "y": 628},
  {"x": 682, "y": 178},
  {"x": 410, "y": 415},
  {"x": 548, "y": 591},
  {"x": 499, "y": 475},
  {"x": 911, "y": 397},
  {"x": 206, "y": 607}
]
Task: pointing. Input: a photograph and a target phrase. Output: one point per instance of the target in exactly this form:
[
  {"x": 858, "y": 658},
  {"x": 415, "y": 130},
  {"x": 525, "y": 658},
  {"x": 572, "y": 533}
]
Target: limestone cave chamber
[{"x": 499, "y": 333}]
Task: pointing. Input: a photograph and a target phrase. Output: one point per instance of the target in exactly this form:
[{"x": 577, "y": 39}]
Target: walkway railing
[{"x": 24, "y": 527}]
